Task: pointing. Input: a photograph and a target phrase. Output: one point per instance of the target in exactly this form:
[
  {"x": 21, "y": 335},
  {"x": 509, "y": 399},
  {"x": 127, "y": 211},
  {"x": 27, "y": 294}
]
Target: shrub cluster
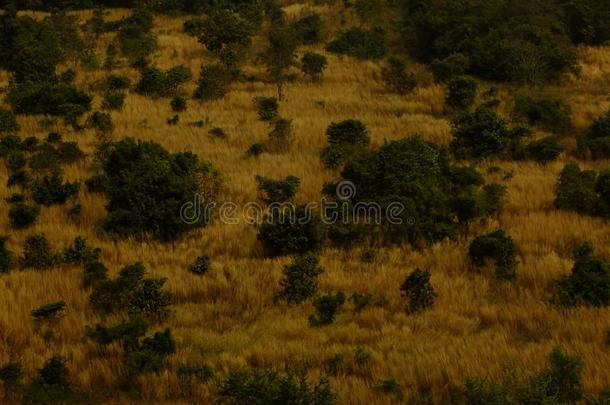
[
  {"x": 496, "y": 246},
  {"x": 418, "y": 290},
  {"x": 345, "y": 139},
  {"x": 360, "y": 44},
  {"x": 548, "y": 113},
  {"x": 586, "y": 192},
  {"x": 299, "y": 282},
  {"x": 596, "y": 141},
  {"x": 157, "y": 83},
  {"x": 277, "y": 191},
  {"x": 326, "y": 306},
  {"x": 396, "y": 78}
]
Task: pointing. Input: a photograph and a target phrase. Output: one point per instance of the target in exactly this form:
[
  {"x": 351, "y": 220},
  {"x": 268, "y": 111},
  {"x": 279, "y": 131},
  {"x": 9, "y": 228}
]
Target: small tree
[
  {"x": 114, "y": 100},
  {"x": 37, "y": 253},
  {"x": 300, "y": 279},
  {"x": 213, "y": 83},
  {"x": 313, "y": 65},
  {"x": 94, "y": 273},
  {"x": 326, "y": 306},
  {"x": 461, "y": 92},
  {"x": 178, "y": 104},
  {"x": 201, "y": 265},
  {"x": 267, "y": 108},
  {"x": 396, "y": 78},
  {"x": 499, "y": 247},
  {"x": 418, "y": 290},
  {"x": 51, "y": 190},
  {"x": 279, "y": 56},
  {"x": 22, "y": 216},
  {"x": 309, "y": 29},
  {"x": 277, "y": 191},
  {"x": 149, "y": 300}
]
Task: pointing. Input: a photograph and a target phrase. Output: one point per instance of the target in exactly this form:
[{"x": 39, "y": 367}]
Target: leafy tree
[
  {"x": 461, "y": 92},
  {"x": 496, "y": 246},
  {"x": 259, "y": 386},
  {"x": 576, "y": 190},
  {"x": 114, "y": 100},
  {"x": 101, "y": 122},
  {"x": 134, "y": 38},
  {"x": 299, "y": 282},
  {"x": 94, "y": 272},
  {"x": 280, "y": 136},
  {"x": 587, "y": 21},
  {"x": 278, "y": 191},
  {"x": 551, "y": 114},
  {"x": 296, "y": 230},
  {"x": 149, "y": 300},
  {"x": 22, "y": 216},
  {"x": 147, "y": 188},
  {"x": 149, "y": 355},
  {"x": 326, "y": 306},
  {"x": 313, "y": 65},
  {"x": 157, "y": 83},
  {"x": 309, "y": 29},
  {"x": 267, "y": 108},
  {"x": 80, "y": 253},
  {"x": 37, "y": 253},
  {"x": 360, "y": 44},
  {"x": 51, "y": 190},
  {"x": 418, "y": 290},
  {"x": 280, "y": 55},
  {"x": 220, "y": 30},
  {"x": 589, "y": 281},
  {"x": 213, "y": 83},
  {"x": 345, "y": 139},
  {"x": 396, "y": 78}
]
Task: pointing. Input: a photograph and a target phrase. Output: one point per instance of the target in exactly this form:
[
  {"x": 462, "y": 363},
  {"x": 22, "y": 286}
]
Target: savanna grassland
[{"x": 229, "y": 318}]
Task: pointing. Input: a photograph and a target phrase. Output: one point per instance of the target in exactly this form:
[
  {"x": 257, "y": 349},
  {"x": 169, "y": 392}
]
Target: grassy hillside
[{"x": 478, "y": 327}]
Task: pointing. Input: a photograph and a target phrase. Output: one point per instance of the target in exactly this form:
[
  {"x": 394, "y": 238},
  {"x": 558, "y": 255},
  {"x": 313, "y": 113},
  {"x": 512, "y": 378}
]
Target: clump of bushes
[
  {"x": 589, "y": 281},
  {"x": 101, "y": 122},
  {"x": 418, "y": 290},
  {"x": 8, "y": 122},
  {"x": 445, "y": 69},
  {"x": 201, "y": 265},
  {"x": 583, "y": 191},
  {"x": 396, "y": 78},
  {"x": 313, "y": 65},
  {"x": 51, "y": 190},
  {"x": 345, "y": 139},
  {"x": 178, "y": 104},
  {"x": 113, "y": 100},
  {"x": 213, "y": 83},
  {"x": 551, "y": 114},
  {"x": 157, "y": 83},
  {"x": 22, "y": 215},
  {"x": 277, "y": 191},
  {"x": 461, "y": 92},
  {"x": 116, "y": 82},
  {"x": 158, "y": 184},
  {"x": 37, "y": 254},
  {"x": 596, "y": 141},
  {"x": 299, "y": 281},
  {"x": 308, "y": 29},
  {"x": 544, "y": 150},
  {"x": 326, "y": 307},
  {"x": 267, "y": 108},
  {"x": 359, "y": 43},
  {"x": 498, "y": 247}
]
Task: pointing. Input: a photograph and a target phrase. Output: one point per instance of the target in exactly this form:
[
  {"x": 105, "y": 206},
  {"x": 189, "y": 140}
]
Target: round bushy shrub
[
  {"x": 213, "y": 83},
  {"x": 22, "y": 216},
  {"x": 461, "y": 92},
  {"x": 396, "y": 78},
  {"x": 313, "y": 65}
]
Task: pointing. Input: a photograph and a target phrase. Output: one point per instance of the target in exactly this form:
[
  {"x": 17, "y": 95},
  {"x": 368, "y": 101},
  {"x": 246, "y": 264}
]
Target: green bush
[
  {"x": 582, "y": 191},
  {"x": 8, "y": 122},
  {"x": 49, "y": 311},
  {"x": 496, "y": 246},
  {"x": 149, "y": 301},
  {"x": 11, "y": 375},
  {"x": 157, "y": 83},
  {"x": 58, "y": 99},
  {"x": 294, "y": 231},
  {"x": 201, "y": 265},
  {"x": 6, "y": 256},
  {"x": 544, "y": 150},
  {"x": 213, "y": 83},
  {"x": 277, "y": 191},
  {"x": 220, "y": 30},
  {"x": 255, "y": 150},
  {"x": 444, "y": 70},
  {"x": 125, "y": 332},
  {"x": 94, "y": 272},
  {"x": 326, "y": 307},
  {"x": 80, "y": 253},
  {"x": 134, "y": 37},
  {"x": 22, "y": 216},
  {"x": 482, "y": 133},
  {"x": 148, "y": 187},
  {"x": 51, "y": 190},
  {"x": 309, "y": 29},
  {"x": 396, "y": 78},
  {"x": 150, "y": 354},
  {"x": 548, "y": 113},
  {"x": 115, "y": 82},
  {"x": 299, "y": 281},
  {"x": 52, "y": 384},
  {"x": 596, "y": 141},
  {"x": 259, "y": 386},
  {"x": 589, "y": 281},
  {"x": 267, "y": 108},
  {"x": 114, "y": 100},
  {"x": 37, "y": 253},
  {"x": 418, "y": 290},
  {"x": 313, "y": 65},
  {"x": 101, "y": 122},
  {"x": 461, "y": 92},
  {"x": 178, "y": 104},
  {"x": 360, "y": 44}
]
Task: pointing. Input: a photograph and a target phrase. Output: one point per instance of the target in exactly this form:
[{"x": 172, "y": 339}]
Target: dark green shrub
[
  {"x": 596, "y": 141},
  {"x": 267, "y": 108},
  {"x": 80, "y": 253},
  {"x": 587, "y": 21},
  {"x": 280, "y": 55},
  {"x": 157, "y": 83},
  {"x": 299, "y": 282},
  {"x": 544, "y": 150},
  {"x": 10, "y": 375},
  {"x": 94, "y": 272},
  {"x": 134, "y": 37},
  {"x": 255, "y": 150},
  {"x": 148, "y": 188},
  {"x": 444, "y": 70},
  {"x": 149, "y": 301},
  {"x": 348, "y": 132},
  {"x": 213, "y": 83},
  {"x": 112, "y": 295},
  {"x": 220, "y": 30},
  {"x": 117, "y": 82},
  {"x": 15, "y": 161},
  {"x": 482, "y": 133},
  {"x": 496, "y": 246},
  {"x": 326, "y": 306},
  {"x": 126, "y": 332},
  {"x": 296, "y": 230},
  {"x": 178, "y": 104},
  {"x": 51, "y": 190},
  {"x": 6, "y": 256},
  {"x": 48, "y": 98},
  {"x": 218, "y": 133},
  {"x": 258, "y": 386},
  {"x": 37, "y": 253},
  {"x": 8, "y": 122},
  {"x": 575, "y": 190},
  {"x": 360, "y": 44},
  {"x": 589, "y": 281},
  {"x": 150, "y": 354},
  {"x": 418, "y": 290},
  {"x": 22, "y": 216},
  {"x": 15, "y": 198},
  {"x": 199, "y": 373},
  {"x": 49, "y": 311},
  {"x": 313, "y": 65},
  {"x": 101, "y": 122},
  {"x": 280, "y": 136},
  {"x": 461, "y": 92},
  {"x": 548, "y": 113},
  {"x": 201, "y": 265},
  {"x": 114, "y": 100},
  {"x": 309, "y": 29},
  {"x": 396, "y": 78},
  {"x": 277, "y": 191}
]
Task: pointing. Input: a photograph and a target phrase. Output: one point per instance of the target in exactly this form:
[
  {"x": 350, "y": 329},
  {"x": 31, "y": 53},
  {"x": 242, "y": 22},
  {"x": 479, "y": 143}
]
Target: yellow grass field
[{"x": 477, "y": 327}]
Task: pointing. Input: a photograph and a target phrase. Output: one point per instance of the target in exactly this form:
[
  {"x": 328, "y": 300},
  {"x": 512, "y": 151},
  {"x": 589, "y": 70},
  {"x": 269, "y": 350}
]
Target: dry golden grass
[{"x": 229, "y": 318}]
